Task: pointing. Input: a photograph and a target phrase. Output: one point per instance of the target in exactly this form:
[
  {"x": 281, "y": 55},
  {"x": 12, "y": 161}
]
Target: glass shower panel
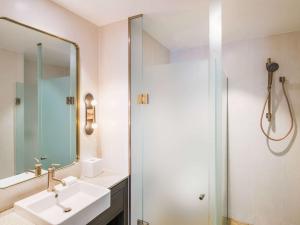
[
  {"x": 178, "y": 118},
  {"x": 72, "y": 108},
  {"x": 40, "y": 96},
  {"x": 218, "y": 119},
  {"x": 30, "y": 113},
  {"x": 176, "y": 156},
  {"x": 54, "y": 108},
  {"x": 19, "y": 128},
  {"x": 137, "y": 127},
  {"x": 55, "y": 84}
]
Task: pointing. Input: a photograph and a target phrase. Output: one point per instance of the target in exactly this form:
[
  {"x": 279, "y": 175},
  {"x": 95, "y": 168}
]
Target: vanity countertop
[{"x": 106, "y": 179}]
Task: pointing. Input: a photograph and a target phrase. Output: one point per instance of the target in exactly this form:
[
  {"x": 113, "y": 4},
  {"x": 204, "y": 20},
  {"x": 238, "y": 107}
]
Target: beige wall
[
  {"x": 264, "y": 176},
  {"x": 113, "y": 96},
  {"x": 48, "y": 16},
  {"x": 11, "y": 65}
]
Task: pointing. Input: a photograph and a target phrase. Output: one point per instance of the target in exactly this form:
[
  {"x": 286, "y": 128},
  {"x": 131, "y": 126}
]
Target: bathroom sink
[{"x": 82, "y": 202}]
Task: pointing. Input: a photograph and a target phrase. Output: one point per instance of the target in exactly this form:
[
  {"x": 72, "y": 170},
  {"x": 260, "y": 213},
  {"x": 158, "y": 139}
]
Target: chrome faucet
[{"x": 52, "y": 178}]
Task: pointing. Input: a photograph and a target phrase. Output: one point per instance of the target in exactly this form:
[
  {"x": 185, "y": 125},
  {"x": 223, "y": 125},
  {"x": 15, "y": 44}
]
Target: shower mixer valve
[{"x": 281, "y": 79}]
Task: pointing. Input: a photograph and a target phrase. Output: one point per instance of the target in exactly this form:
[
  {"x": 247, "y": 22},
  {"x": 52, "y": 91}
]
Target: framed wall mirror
[{"x": 38, "y": 102}]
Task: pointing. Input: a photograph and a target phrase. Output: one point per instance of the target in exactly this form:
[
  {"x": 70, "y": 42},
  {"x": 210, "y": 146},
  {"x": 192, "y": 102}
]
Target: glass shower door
[
  {"x": 170, "y": 121},
  {"x": 178, "y": 118},
  {"x": 176, "y": 151},
  {"x": 19, "y": 128}
]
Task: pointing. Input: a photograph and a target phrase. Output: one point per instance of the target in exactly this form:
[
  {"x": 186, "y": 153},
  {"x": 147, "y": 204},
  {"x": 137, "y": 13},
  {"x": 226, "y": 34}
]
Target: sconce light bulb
[
  {"x": 94, "y": 125},
  {"x": 93, "y": 102}
]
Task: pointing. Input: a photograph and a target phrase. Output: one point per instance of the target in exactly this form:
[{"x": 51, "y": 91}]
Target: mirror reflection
[{"x": 38, "y": 77}]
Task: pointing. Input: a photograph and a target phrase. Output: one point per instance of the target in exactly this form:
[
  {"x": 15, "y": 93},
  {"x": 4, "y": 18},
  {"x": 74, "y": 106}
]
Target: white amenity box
[{"x": 92, "y": 167}]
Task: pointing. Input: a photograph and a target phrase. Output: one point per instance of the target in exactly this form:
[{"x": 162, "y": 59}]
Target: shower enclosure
[{"x": 178, "y": 118}]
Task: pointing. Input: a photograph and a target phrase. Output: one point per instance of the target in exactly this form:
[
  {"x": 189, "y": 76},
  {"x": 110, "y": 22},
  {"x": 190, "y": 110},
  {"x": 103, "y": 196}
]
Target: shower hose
[{"x": 290, "y": 111}]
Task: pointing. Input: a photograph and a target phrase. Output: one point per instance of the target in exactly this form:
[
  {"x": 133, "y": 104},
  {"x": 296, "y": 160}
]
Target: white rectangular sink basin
[{"x": 85, "y": 200}]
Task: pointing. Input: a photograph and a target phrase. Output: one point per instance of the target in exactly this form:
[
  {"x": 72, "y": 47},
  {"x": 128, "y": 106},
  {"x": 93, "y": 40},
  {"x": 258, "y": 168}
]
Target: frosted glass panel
[
  {"x": 19, "y": 128},
  {"x": 218, "y": 119},
  {"x": 178, "y": 157},
  {"x": 31, "y": 149},
  {"x": 72, "y": 108},
  {"x": 176, "y": 151},
  {"x": 136, "y": 28},
  {"x": 56, "y": 123}
]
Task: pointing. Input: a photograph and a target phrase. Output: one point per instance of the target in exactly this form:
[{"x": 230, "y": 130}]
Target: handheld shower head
[{"x": 272, "y": 66}]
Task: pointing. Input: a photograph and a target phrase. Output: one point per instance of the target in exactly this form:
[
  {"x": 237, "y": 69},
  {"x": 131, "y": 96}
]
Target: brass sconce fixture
[{"x": 90, "y": 114}]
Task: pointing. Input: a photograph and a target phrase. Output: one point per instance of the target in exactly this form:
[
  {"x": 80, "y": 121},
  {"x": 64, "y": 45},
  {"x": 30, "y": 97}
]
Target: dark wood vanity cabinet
[{"x": 117, "y": 214}]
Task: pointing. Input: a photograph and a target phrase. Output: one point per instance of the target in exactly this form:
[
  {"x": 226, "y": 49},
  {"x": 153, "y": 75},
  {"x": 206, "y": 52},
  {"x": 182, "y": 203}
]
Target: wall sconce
[{"x": 90, "y": 114}]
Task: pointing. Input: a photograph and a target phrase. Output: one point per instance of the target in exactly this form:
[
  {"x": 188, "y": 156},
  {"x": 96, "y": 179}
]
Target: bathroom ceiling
[
  {"x": 174, "y": 23},
  {"x": 184, "y": 23},
  {"x": 102, "y": 12}
]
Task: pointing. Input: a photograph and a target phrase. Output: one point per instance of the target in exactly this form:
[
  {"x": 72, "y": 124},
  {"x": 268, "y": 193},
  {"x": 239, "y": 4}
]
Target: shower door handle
[
  {"x": 143, "y": 99},
  {"x": 201, "y": 197}
]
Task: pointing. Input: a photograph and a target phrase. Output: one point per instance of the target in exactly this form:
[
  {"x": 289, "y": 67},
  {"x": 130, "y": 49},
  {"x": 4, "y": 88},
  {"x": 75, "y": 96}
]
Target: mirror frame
[{"x": 77, "y": 103}]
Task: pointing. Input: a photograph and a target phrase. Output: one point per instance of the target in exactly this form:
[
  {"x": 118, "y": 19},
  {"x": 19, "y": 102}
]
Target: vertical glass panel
[
  {"x": 31, "y": 148},
  {"x": 136, "y": 41},
  {"x": 40, "y": 99},
  {"x": 72, "y": 108},
  {"x": 176, "y": 156},
  {"x": 171, "y": 132},
  {"x": 178, "y": 135},
  {"x": 176, "y": 150},
  {"x": 56, "y": 82},
  {"x": 218, "y": 119},
  {"x": 72, "y": 151},
  {"x": 19, "y": 128}
]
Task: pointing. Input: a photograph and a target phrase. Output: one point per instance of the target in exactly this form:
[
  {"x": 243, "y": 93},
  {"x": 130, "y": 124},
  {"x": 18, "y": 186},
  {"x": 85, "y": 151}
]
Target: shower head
[{"x": 272, "y": 67}]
